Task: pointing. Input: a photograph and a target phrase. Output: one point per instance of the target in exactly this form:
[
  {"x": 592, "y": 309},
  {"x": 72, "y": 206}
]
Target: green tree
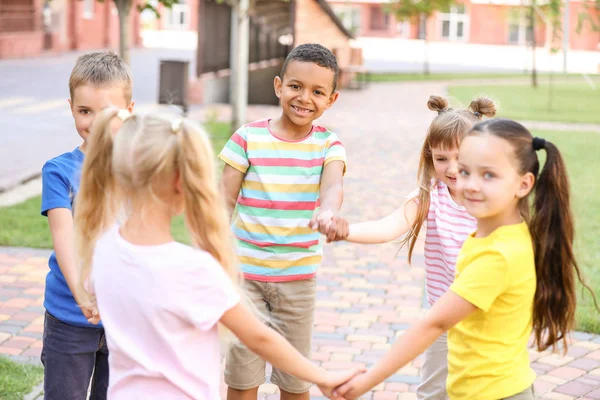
[
  {"x": 423, "y": 9},
  {"x": 124, "y": 9},
  {"x": 592, "y": 16}
]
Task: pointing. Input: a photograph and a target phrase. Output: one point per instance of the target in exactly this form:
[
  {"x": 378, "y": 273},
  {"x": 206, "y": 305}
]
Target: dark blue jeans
[{"x": 71, "y": 356}]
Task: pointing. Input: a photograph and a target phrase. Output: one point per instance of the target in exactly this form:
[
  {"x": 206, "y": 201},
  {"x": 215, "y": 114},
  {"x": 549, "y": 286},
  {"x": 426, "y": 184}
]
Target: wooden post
[{"x": 201, "y": 37}]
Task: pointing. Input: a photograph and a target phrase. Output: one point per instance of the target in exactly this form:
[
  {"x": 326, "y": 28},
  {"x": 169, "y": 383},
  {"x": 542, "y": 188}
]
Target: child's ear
[
  {"x": 333, "y": 98},
  {"x": 130, "y": 106},
  {"x": 526, "y": 185},
  {"x": 70, "y": 105},
  {"x": 278, "y": 85}
]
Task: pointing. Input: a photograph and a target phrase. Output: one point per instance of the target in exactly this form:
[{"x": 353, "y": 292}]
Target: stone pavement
[{"x": 367, "y": 296}]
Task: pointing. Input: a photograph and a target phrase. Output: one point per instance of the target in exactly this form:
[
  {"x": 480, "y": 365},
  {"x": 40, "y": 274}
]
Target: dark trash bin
[{"x": 173, "y": 83}]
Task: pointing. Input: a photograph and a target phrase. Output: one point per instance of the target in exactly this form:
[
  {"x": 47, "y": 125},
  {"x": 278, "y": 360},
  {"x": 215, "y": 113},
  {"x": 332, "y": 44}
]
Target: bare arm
[
  {"x": 272, "y": 347},
  {"x": 231, "y": 183},
  {"x": 63, "y": 241},
  {"x": 447, "y": 312},
  {"x": 385, "y": 229},
  {"x": 332, "y": 187},
  {"x": 331, "y": 199}
]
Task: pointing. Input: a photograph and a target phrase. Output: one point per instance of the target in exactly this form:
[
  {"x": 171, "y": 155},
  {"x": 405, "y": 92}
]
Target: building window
[
  {"x": 403, "y": 29},
  {"x": 350, "y": 17},
  {"x": 380, "y": 20},
  {"x": 454, "y": 23},
  {"x": 519, "y": 27},
  {"x": 89, "y": 8},
  {"x": 178, "y": 16}
]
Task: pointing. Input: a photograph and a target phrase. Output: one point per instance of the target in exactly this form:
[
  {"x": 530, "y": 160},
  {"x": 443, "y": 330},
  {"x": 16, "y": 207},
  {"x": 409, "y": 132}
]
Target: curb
[
  {"x": 35, "y": 393},
  {"x": 12, "y": 185}
]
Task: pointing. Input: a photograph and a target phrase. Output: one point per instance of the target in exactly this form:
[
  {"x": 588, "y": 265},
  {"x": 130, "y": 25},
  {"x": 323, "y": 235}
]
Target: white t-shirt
[{"x": 160, "y": 306}]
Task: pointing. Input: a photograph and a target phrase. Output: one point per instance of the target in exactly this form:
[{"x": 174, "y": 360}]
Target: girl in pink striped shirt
[{"x": 448, "y": 223}]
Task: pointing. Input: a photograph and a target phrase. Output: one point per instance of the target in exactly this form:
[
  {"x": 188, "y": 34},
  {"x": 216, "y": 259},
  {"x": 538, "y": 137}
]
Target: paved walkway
[{"x": 366, "y": 295}]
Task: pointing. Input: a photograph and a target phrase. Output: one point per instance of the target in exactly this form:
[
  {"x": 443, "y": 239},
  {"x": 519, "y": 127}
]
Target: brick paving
[{"x": 367, "y": 295}]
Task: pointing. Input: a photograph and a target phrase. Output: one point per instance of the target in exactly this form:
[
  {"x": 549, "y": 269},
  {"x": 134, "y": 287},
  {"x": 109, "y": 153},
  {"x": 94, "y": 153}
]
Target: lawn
[
  {"x": 580, "y": 151},
  {"x": 571, "y": 102},
  {"x": 22, "y": 224},
  {"x": 449, "y": 76},
  {"x": 17, "y": 380}
]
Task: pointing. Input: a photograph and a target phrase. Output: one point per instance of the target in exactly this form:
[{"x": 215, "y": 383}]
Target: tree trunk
[
  {"x": 124, "y": 7},
  {"x": 533, "y": 44},
  {"x": 426, "y": 43}
]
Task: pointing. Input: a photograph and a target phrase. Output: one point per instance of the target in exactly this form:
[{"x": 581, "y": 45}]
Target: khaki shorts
[
  {"x": 435, "y": 371},
  {"x": 290, "y": 309}
]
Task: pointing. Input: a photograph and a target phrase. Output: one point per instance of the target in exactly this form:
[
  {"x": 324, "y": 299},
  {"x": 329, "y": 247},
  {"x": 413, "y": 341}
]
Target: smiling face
[
  {"x": 445, "y": 163},
  {"x": 89, "y": 100},
  {"x": 305, "y": 92},
  {"x": 489, "y": 182}
]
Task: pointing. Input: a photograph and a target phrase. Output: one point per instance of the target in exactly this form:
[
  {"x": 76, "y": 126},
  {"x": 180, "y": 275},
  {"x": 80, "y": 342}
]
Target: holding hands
[
  {"x": 334, "y": 227},
  {"x": 333, "y": 381},
  {"x": 86, "y": 300}
]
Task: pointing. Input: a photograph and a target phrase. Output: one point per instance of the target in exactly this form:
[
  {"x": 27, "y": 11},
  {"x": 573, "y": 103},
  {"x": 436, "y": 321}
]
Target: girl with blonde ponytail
[
  {"x": 161, "y": 301},
  {"x": 436, "y": 205}
]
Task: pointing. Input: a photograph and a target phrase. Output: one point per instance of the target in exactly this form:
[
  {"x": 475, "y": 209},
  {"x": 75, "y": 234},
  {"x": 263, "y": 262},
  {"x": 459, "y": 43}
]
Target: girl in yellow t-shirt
[{"x": 515, "y": 274}]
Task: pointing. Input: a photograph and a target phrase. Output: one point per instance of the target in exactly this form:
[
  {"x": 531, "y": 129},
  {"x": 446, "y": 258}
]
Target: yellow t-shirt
[{"x": 487, "y": 351}]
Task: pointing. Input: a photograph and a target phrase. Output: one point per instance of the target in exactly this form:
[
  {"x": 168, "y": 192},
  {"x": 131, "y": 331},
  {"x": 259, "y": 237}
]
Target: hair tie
[
  {"x": 477, "y": 114},
  {"x": 443, "y": 110},
  {"x": 123, "y": 114},
  {"x": 538, "y": 143},
  {"x": 176, "y": 125}
]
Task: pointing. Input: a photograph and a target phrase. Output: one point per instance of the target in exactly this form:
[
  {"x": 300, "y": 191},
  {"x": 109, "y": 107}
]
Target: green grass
[
  {"x": 571, "y": 102},
  {"x": 580, "y": 151},
  {"x": 22, "y": 224},
  {"x": 414, "y": 76},
  {"x": 17, "y": 380}
]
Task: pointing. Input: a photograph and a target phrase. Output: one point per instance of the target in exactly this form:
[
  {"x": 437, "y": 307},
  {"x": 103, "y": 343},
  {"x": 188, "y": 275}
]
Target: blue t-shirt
[{"x": 60, "y": 183}]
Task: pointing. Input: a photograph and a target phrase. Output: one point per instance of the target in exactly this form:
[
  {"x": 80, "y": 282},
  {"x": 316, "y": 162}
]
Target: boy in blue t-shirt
[{"x": 73, "y": 348}]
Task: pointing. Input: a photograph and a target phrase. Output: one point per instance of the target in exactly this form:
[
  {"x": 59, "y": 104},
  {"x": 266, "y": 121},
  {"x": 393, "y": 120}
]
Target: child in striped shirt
[
  {"x": 282, "y": 174},
  {"x": 448, "y": 223}
]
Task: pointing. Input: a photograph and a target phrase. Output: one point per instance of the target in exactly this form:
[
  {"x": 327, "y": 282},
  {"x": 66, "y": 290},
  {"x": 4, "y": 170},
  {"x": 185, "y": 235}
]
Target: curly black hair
[{"x": 314, "y": 53}]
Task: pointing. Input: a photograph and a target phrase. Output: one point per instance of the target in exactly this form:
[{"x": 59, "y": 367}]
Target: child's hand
[
  {"x": 352, "y": 389},
  {"x": 342, "y": 230},
  {"x": 334, "y": 379},
  {"x": 90, "y": 311},
  {"x": 333, "y": 227},
  {"x": 87, "y": 302}
]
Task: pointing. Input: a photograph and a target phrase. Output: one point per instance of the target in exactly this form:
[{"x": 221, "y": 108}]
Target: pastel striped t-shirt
[
  {"x": 448, "y": 226},
  {"x": 279, "y": 194}
]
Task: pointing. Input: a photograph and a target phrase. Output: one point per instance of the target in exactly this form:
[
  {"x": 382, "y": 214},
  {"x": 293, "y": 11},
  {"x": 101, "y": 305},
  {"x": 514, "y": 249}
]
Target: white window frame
[
  {"x": 89, "y": 8},
  {"x": 523, "y": 26},
  {"x": 177, "y": 10},
  {"x": 454, "y": 17},
  {"x": 403, "y": 29}
]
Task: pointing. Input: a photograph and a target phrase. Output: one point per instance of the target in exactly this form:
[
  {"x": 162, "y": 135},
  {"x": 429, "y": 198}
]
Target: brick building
[
  {"x": 494, "y": 22},
  {"x": 33, "y": 27}
]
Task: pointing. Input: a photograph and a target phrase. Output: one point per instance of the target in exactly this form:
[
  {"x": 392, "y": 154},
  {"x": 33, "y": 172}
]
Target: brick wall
[
  {"x": 489, "y": 24},
  {"x": 587, "y": 39},
  {"x": 72, "y": 31}
]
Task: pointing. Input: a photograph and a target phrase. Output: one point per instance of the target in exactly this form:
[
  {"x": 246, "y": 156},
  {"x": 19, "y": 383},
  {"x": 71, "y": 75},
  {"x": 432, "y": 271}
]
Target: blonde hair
[
  {"x": 101, "y": 69},
  {"x": 446, "y": 131},
  {"x": 146, "y": 152}
]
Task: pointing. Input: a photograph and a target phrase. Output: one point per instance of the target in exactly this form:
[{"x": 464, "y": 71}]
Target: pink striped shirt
[{"x": 448, "y": 226}]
